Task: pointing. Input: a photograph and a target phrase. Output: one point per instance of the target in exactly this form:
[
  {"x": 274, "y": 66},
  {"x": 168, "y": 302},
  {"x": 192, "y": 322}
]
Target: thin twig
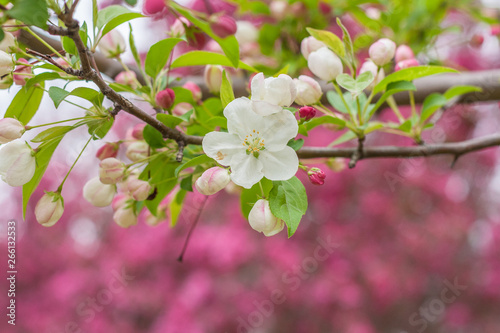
[{"x": 188, "y": 237}]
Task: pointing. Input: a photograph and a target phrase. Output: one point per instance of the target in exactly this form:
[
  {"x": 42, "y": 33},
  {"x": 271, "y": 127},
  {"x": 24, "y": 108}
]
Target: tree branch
[{"x": 456, "y": 149}]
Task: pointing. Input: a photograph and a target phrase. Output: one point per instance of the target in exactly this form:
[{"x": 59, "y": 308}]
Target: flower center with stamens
[{"x": 254, "y": 143}]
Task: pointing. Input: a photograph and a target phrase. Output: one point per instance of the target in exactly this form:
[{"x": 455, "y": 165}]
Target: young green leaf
[
  {"x": 431, "y": 104},
  {"x": 324, "y": 120},
  {"x": 288, "y": 201},
  {"x": 202, "y": 159},
  {"x": 153, "y": 137},
  {"x": 330, "y": 39},
  {"x": 226, "y": 91},
  {"x": 176, "y": 207},
  {"x": 158, "y": 55},
  {"x": 52, "y": 133},
  {"x": 30, "y": 12},
  {"x": 25, "y": 104},
  {"x": 201, "y": 58},
  {"x": 355, "y": 86},
  {"x": 460, "y": 90}
]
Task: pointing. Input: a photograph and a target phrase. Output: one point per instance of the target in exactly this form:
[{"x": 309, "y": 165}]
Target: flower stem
[
  {"x": 46, "y": 44},
  {"x": 59, "y": 189},
  {"x": 337, "y": 88},
  {"x": 56, "y": 122}
]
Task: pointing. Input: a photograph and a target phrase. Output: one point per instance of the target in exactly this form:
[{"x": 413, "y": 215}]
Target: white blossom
[
  {"x": 17, "y": 163},
  {"x": 271, "y": 94},
  {"x": 255, "y": 146}
]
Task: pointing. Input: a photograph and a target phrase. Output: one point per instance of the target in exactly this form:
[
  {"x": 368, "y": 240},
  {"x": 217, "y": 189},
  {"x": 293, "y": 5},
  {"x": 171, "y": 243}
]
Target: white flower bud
[
  {"x": 246, "y": 32},
  {"x": 112, "y": 44},
  {"x": 279, "y": 90},
  {"x": 262, "y": 219},
  {"x": 212, "y": 181},
  {"x": 8, "y": 43},
  {"x": 10, "y": 130},
  {"x": 279, "y": 9},
  {"x": 137, "y": 151},
  {"x": 17, "y": 163},
  {"x": 382, "y": 51},
  {"x": 325, "y": 64},
  {"x": 6, "y": 63},
  {"x": 49, "y": 209},
  {"x": 310, "y": 44},
  {"x": 369, "y": 66},
  {"x": 139, "y": 189},
  {"x": 308, "y": 90},
  {"x": 213, "y": 77},
  {"x": 97, "y": 193},
  {"x": 111, "y": 170},
  {"x": 125, "y": 217}
]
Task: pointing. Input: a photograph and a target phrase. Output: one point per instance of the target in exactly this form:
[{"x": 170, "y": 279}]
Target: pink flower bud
[
  {"x": 49, "y": 209},
  {"x": 308, "y": 90},
  {"x": 403, "y": 52},
  {"x": 246, "y": 32},
  {"x": 8, "y": 43},
  {"x": 325, "y": 8},
  {"x": 382, "y": 51},
  {"x": 112, "y": 44},
  {"x": 22, "y": 73},
  {"x": 373, "y": 13},
  {"x": 10, "y": 130},
  {"x": 165, "y": 98},
  {"x": 137, "y": 151},
  {"x": 125, "y": 217},
  {"x": 152, "y": 7},
  {"x": 195, "y": 90},
  {"x": 111, "y": 170},
  {"x": 325, "y": 64},
  {"x": 262, "y": 219},
  {"x": 97, "y": 193},
  {"x": 128, "y": 78},
  {"x": 139, "y": 189},
  {"x": 181, "y": 108},
  {"x": 110, "y": 149},
  {"x": 213, "y": 77},
  {"x": 477, "y": 40},
  {"x": 310, "y": 44},
  {"x": 6, "y": 63},
  {"x": 307, "y": 112},
  {"x": 316, "y": 176},
  {"x": 495, "y": 29},
  {"x": 212, "y": 181},
  {"x": 178, "y": 28},
  {"x": 223, "y": 26},
  {"x": 137, "y": 131},
  {"x": 406, "y": 64},
  {"x": 17, "y": 163}
]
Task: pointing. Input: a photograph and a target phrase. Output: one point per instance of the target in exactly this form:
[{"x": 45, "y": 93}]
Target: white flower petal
[
  {"x": 8, "y": 154},
  {"x": 257, "y": 87},
  {"x": 264, "y": 108},
  {"x": 279, "y": 165},
  {"x": 241, "y": 120},
  {"x": 222, "y": 147},
  {"x": 22, "y": 170},
  {"x": 246, "y": 170},
  {"x": 279, "y": 129}
]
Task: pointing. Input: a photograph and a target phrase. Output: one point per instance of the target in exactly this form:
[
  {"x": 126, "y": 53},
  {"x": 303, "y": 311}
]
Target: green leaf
[
  {"x": 250, "y": 196},
  {"x": 109, "y": 13},
  {"x": 43, "y": 157},
  {"x": 330, "y": 39},
  {"x": 68, "y": 45},
  {"x": 2, "y": 34},
  {"x": 187, "y": 183},
  {"x": 226, "y": 91},
  {"x": 118, "y": 20},
  {"x": 201, "y": 58},
  {"x": 347, "y": 136},
  {"x": 295, "y": 144},
  {"x": 25, "y": 104},
  {"x": 336, "y": 101},
  {"x": 158, "y": 55},
  {"x": 58, "y": 95},
  {"x": 346, "y": 38},
  {"x": 431, "y": 104},
  {"x": 460, "y": 90},
  {"x": 30, "y": 12},
  {"x": 229, "y": 44},
  {"x": 406, "y": 126},
  {"x": 410, "y": 74},
  {"x": 176, "y": 207},
  {"x": 153, "y": 137},
  {"x": 355, "y": 86},
  {"x": 98, "y": 128},
  {"x": 217, "y": 121},
  {"x": 160, "y": 172},
  {"x": 133, "y": 48},
  {"x": 288, "y": 201},
  {"x": 392, "y": 88},
  {"x": 169, "y": 120},
  {"x": 202, "y": 159},
  {"x": 42, "y": 77},
  {"x": 324, "y": 120},
  {"x": 183, "y": 95},
  {"x": 52, "y": 133}
]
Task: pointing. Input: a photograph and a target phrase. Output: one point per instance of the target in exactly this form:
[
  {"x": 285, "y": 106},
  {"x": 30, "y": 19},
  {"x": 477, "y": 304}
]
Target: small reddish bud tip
[
  {"x": 477, "y": 40},
  {"x": 223, "y": 26},
  {"x": 165, "y": 98},
  {"x": 316, "y": 176},
  {"x": 307, "y": 112}
]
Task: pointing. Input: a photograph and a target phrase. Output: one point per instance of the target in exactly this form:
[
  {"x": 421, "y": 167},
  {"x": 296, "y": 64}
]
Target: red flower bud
[
  {"x": 477, "y": 40},
  {"x": 223, "y": 26},
  {"x": 137, "y": 131},
  {"x": 316, "y": 176},
  {"x": 307, "y": 112},
  {"x": 110, "y": 149},
  {"x": 165, "y": 98},
  {"x": 406, "y": 64}
]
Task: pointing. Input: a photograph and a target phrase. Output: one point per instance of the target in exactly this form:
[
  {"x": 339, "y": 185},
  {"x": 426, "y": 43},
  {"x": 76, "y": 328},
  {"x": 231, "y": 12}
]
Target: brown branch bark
[{"x": 456, "y": 149}]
